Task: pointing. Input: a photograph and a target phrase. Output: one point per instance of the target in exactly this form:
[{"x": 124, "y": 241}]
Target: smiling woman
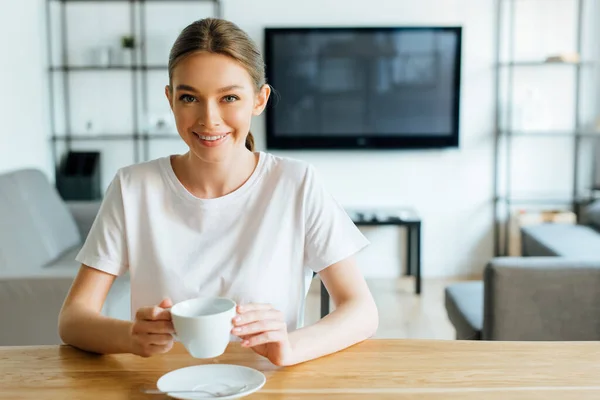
[
  {"x": 220, "y": 220},
  {"x": 231, "y": 56},
  {"x": 209, "y": 110}
]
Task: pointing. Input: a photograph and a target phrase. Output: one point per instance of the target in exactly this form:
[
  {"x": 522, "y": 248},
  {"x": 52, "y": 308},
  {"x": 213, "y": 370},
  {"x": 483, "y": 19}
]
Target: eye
[
  {"x": 230, "y": 98},
  {"x": 186, "y": 98}
]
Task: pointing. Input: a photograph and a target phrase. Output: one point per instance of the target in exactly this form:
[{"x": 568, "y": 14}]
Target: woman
[{"x": 220, "y": 220}]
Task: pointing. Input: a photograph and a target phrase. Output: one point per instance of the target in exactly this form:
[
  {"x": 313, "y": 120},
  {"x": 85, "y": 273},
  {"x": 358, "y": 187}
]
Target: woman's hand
[
  {"x": 262, "y": 328},
  {"x": 151, "y": 330}
]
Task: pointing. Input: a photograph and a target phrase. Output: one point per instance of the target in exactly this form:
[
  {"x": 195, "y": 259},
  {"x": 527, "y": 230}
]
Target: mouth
[{"x": 210, "y": 140}]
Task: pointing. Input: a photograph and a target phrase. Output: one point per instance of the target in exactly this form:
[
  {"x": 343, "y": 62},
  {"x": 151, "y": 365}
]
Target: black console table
[{"x": 406, "y": 217}]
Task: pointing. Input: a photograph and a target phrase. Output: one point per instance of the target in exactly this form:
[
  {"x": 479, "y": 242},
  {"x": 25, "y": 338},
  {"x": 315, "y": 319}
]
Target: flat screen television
[{"x": 363, "y": 87}]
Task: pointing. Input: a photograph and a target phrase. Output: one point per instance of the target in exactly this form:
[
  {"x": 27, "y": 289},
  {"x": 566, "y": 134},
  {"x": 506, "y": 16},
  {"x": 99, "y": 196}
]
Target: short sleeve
[
  {"x": 105, "y": 247},
  {"x": 331, "y": 235}
]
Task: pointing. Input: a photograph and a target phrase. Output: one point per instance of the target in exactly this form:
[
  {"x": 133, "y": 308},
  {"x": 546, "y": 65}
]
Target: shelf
[
  {"x": 163, "y": 136},
  {"x": 59, "y": 65},
  {"x": 109, "y": 68},
  {"x": 129, "y": 136},
  {"x": 540, "y": 200},
  {"x": 101, "y": 137},
  {"x": 547, "y": 134},
  {"x": 134, "y": 1},
  {"x": 545, "y": 63}
]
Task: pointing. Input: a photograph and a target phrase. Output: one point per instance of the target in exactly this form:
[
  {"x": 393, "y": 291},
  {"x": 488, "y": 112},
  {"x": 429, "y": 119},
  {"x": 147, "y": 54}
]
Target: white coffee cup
[{"x": 203, "y": 325}]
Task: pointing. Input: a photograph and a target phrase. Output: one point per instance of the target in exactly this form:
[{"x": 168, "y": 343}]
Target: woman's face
[{"x": 213, "y": 100}]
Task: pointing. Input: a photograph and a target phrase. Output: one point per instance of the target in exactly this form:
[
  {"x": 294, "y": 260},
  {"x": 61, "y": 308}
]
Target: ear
[
  {"x": 169, "y": 96},
  {"x": 261, "y": 99}
]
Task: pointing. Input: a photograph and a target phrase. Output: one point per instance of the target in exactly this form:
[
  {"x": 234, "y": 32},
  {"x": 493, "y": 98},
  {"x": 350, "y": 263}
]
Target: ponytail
[{"x": 250, "y": 141}]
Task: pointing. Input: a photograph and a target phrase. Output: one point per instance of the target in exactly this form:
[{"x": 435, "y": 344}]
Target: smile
[{"x": 210, "y": 140}]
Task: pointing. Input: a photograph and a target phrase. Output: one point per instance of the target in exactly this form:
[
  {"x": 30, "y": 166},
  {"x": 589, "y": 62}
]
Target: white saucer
[{"x": 213, "y": 377}]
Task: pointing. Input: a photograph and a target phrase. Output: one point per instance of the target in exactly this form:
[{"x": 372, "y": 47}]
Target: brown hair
[{"x": 222, "y": 37}]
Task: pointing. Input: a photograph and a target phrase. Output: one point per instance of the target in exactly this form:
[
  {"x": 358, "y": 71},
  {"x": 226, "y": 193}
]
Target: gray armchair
[{"x": 529, "y": 298}]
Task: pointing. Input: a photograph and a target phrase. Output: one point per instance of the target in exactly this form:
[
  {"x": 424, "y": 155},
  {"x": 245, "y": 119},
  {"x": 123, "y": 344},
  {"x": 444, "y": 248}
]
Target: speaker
[
  {"x": 78, "y": 177},
  {"x": 596, "y": 176}
]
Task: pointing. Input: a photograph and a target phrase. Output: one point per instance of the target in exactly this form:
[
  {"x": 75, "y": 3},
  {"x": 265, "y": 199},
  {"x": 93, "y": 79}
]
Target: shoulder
[
  {"x": 143, "y": 173},
  {"x": 288, "y": 169}
]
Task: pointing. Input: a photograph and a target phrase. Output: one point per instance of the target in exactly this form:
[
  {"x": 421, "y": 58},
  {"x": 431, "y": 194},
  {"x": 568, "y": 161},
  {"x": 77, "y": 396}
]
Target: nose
[{"x": 209, "y": 115}]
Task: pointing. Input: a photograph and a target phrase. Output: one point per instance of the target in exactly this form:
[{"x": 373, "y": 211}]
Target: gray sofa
[
  {"x": 551, "y": 293},
  {"x": 565, "y": 240},
  {"x": 40, "y": 235}
]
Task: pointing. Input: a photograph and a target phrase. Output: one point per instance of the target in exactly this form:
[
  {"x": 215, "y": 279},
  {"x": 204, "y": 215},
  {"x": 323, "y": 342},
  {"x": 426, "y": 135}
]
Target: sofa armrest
[
  {"x": 84, "y": 213},
  {"x": 29, "y": 307},
  {"x": 541, "y": 298},
  {"x": 30, "y": 304}
]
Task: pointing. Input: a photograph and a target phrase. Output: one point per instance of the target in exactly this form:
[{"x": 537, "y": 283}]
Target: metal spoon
[{"x": 228, "y": 392}]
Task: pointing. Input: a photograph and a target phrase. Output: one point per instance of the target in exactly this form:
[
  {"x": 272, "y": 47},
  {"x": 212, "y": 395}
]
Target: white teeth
[{"x": 211, "y": 138}]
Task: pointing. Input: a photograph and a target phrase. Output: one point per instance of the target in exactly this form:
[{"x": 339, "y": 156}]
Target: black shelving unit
[
  {"x": 138, "y": 67},
  {"x": 505, "y": 133}
]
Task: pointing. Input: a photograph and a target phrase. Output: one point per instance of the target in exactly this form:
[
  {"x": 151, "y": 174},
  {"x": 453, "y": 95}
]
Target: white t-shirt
[{"x": 260, "y": 243}]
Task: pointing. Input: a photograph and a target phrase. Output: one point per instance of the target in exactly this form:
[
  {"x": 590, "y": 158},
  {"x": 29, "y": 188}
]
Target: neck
[{"x": 209, "y": 180}]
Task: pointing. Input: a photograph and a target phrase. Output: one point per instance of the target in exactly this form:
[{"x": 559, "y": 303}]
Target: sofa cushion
[
  {"x": 464, "y": 305},
  {"x": 50, "y": 215},
  {"x": 84, "y": 213},
  {"x": 562, "y": 240},
  {"x": 22, "y": 247},
  {"x": 66, "y": 260}
]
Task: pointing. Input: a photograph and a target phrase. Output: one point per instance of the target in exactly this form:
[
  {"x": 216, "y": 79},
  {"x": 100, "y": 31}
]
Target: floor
[{"x": 402, "y": 314}]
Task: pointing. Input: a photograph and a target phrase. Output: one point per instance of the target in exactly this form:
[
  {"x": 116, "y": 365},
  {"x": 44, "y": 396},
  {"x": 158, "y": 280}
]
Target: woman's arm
[
  {"x": 81, "y": 324},
  {"x": 263, "y": 328},
  {"x": 328, "y": 234},
  {"x": 354, "y": 319}
]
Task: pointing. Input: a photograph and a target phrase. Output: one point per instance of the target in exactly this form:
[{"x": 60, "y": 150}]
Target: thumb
[{"x": 166, "y": 303}]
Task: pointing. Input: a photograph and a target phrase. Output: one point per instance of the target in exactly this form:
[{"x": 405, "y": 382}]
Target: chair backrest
[
  {"x": 541, "y": 298},
  {"x": 35, "y": 224}
]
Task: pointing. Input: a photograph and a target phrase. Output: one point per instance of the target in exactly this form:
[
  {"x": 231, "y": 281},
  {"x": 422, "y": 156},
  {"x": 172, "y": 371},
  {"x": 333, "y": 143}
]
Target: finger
[
  {"x": 162, "y": 348},
  {"x": 254, "y": 316},
  {"x": 157, "y": 339},
  {"x": 153, "y": 349},
  {"x": 153, "y": 314},
  {"x": 161, "y": 314},
  {"x": 144, "y": 327},
  {"x": 242, "y": 308},
  {"x": 166, "y": 303},
  {"x": 263, "y": 338},
  {"x": 143, "y": 313},
  {"x": 259, "y": 327}
]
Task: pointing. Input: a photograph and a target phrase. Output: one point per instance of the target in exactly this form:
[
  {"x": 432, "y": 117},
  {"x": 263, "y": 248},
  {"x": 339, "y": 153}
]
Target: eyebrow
[{"x": 223, "y": 89}]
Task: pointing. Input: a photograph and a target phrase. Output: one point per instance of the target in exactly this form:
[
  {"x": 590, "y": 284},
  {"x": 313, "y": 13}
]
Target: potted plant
[{"x": 127, "y": 48}]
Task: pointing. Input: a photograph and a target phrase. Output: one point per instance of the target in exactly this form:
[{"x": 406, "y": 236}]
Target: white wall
[{"x": 24, "y": 129}]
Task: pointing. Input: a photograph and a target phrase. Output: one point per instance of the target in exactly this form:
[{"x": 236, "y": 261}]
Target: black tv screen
[{"x": 363, "y": 87}]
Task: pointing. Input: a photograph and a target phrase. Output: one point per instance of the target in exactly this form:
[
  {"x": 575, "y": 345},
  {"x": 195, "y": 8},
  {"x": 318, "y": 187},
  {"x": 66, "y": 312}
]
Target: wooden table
[{"x": 375, "y": 369}]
